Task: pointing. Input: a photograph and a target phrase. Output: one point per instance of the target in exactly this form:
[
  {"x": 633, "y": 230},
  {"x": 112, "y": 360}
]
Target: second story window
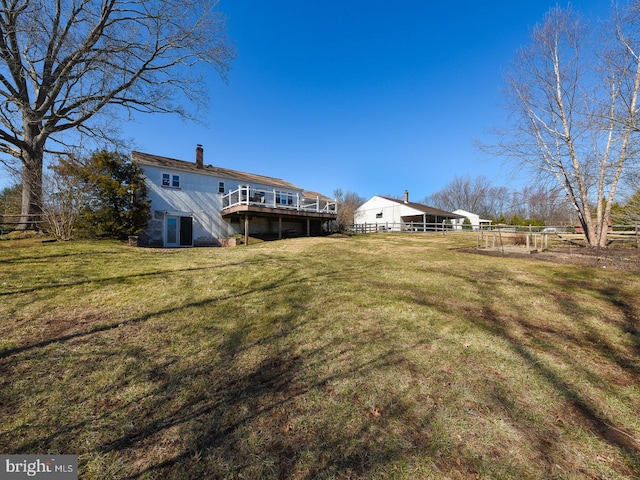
[
  {"x": 175, "y": 181},
  {"x": 171, "y": 180},
  {"x": 221, "y": 187}
]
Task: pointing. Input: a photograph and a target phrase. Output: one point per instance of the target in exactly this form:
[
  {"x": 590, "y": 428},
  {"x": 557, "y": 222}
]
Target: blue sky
[{"x": 373, "y": 97}]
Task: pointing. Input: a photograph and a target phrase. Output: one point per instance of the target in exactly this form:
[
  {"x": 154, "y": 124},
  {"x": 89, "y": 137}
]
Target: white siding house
[
  {"x": 390, "y": 214},
  {"x": 193, "y": 204},
  {"x": 476, "y": 221}
]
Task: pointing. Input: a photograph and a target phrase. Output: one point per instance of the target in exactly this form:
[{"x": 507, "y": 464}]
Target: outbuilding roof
[{"x": 425, "y": 208}]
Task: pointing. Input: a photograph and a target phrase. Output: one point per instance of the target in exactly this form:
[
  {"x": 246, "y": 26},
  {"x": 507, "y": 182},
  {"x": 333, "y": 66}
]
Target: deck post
[
  {"x": 308, "y": 227},
  {"x": 246, "y": 229},
  {"x": 279, "y": 227}
]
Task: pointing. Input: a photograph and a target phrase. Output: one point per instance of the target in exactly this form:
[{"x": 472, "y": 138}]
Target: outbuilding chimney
[
  {"x": 199, "y": 157},
  {"x": 406, "y": 196}
]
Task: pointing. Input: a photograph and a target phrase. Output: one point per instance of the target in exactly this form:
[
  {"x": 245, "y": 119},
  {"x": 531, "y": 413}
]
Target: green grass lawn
[{"x": 381, "y": 356}]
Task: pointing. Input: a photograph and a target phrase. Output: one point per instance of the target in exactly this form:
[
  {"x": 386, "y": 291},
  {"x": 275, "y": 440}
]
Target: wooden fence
[
  {"x": 9, "y": 223},
  {"x": 533, "y": 237},
  {"x": 400, "y": 227}
]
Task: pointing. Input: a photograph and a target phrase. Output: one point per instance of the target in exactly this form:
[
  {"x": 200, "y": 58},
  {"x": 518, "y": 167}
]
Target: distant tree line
[{"x": 531, "y": 205}]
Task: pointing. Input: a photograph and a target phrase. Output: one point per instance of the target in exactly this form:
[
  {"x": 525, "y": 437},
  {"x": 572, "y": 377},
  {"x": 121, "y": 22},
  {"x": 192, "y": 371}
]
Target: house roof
[
  {"x": 310, "y": 194},
  {"x": 165, "y": 162},
  {"x": 425, "y": 208}
]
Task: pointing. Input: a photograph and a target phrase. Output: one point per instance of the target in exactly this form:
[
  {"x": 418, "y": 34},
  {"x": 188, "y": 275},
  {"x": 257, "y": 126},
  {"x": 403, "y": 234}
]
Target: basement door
[{"x": 178, "y": 231}]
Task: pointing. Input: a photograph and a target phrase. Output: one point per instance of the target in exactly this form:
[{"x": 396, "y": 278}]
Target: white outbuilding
[
  {"x": 391, "y": 214},
  {"x": 476, "y": 221}
]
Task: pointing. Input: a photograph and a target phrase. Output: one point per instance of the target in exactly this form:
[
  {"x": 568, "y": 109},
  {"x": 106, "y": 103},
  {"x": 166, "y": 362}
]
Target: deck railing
[{"x": 278, "y": 199}]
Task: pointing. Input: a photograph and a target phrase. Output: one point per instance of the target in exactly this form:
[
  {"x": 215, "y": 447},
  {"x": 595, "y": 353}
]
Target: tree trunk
[
  {"x": 31, "y": 211},
  {"x": 603, "y": 232}
]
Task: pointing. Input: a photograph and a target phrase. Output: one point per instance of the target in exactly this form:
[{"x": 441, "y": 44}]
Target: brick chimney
[
  {"x": 406, "y": 196},
  {"x": 199, "y": 157}
]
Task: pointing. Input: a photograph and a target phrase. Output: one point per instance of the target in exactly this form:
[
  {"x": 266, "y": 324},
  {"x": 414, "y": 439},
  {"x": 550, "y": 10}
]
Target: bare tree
[
  {"x": 475, "y": 195},
  {"x": 548, "y": 205},
  {"x": 574, "y": 99},
  {"x": 64, "y": 198},
  {"x": 65, "y": 64},
  {"x": 461, "y": 192},
  {"x": 348, "y": 202}
]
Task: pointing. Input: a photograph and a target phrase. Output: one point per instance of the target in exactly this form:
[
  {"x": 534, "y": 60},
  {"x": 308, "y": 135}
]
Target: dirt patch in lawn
[{"x": 619, "y": 258}]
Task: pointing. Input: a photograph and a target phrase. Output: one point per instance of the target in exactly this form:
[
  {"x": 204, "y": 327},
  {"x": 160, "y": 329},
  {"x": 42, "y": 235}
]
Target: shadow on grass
[
  {"x": 248, "y": 410},
  {"x": 257, "y": 403},
  {"x": 103, "y": 280},
  {"x": 108, "y": 325},
  {"x": 256, "y": 425},
  {"x": 604, "y": 427},
  {"x": 534, "y": 342},
  {"x": 631, "y": 324},
  {"x": 548, "y": 349},
  {"x": 17, "y": 259}
]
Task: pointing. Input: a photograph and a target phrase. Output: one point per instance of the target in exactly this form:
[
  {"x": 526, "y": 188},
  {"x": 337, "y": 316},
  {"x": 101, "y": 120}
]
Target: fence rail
[
  {"x": 10, "y": 222},
  {"x": 529, "y": 239},
  {"x": 622, "y": 229},
  {"x": 399, "y": 227}
]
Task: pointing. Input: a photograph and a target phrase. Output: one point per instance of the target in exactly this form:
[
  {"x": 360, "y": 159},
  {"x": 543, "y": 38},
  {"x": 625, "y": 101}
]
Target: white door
[{"x": 171, "y": 231}]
